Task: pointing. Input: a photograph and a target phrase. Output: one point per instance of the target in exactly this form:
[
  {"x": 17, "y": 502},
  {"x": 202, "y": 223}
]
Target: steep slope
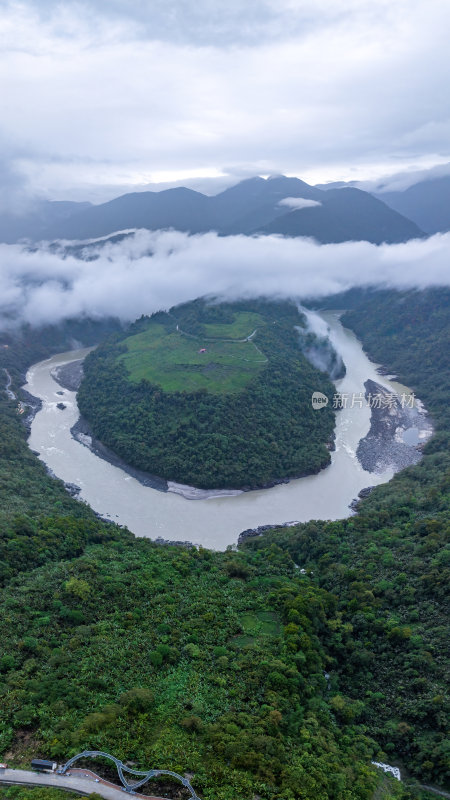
[
  {"x": 256, "y": 202},
  {"x": 180, "y": 208},
  {"x": 215, "y": 662},
  {"x": 426, "y": 202},
  {"x": 33, "y": 223},
  {"x": 388, "y": 567},
  {"x": 346, "y": 214}
]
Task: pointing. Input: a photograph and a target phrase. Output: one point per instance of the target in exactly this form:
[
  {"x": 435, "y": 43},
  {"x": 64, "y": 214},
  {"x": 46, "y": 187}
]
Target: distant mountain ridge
[
  {"x": 32, "y": 224},
  {"x": 253, "y": 206},
  {"x": 346, "y": 215},
  {"x": 425, "y": 201}
]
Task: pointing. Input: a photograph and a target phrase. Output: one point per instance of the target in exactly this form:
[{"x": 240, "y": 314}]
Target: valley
[
  {"x": 224, "y": 400},
  {"x": 362, "y": 599},
  {"x": 216, "y": 517}
]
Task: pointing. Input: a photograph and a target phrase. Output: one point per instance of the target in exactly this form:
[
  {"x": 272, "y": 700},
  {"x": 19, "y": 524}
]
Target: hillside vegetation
[
  {"x": 188, "y": 396},
  {"x": 226, "y": 361},
  {"x": 213, "y": 663},
  {"x": 389, "y": 567}
]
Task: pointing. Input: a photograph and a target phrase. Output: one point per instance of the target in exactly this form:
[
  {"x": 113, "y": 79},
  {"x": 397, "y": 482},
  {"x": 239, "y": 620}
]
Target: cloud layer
[
  {"x": 112, "y": 94},
  {"x": 299, "y": 202},
  {"x": 150, "y": 271}
]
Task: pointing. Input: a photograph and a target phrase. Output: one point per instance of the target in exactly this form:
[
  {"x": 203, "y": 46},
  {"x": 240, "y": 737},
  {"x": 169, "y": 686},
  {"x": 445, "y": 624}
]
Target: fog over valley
[{"x": 147, "y": 271}]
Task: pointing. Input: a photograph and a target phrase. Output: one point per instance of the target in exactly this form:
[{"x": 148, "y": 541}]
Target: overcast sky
[{"x": 103, "y": 96}]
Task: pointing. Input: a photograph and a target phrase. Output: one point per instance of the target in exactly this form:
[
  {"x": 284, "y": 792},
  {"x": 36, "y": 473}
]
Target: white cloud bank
[
  {"x": 154, "y": 270},
  {"x": 294, "y": 203}
]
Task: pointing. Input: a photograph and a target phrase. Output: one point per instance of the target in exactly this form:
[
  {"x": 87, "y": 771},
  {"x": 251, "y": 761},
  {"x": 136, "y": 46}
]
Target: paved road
[{"x": 80, "y": 781}]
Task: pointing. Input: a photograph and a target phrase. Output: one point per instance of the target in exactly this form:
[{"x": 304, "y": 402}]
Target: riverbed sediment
[
  {"x": 69, "y": 376},
  {"x": 393, "y": 416}
]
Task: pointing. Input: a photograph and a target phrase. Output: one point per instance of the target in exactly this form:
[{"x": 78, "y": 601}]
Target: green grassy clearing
[
  {"x": 243, "y": 641},
  {"x": 257, "y": 626},
  {"x": 173, "y": 361},
  {"x": 263, "y": 623},
  {"x": 244, "y": 324}
]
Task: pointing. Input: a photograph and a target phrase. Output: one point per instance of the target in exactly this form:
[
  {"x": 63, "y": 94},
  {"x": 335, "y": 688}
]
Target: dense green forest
[
  {"x": 249, "y": 423},
  {"x": 213, "y": 663},
  {"x": 389, "y": 567},
  {"x": 39, "y": 521}
]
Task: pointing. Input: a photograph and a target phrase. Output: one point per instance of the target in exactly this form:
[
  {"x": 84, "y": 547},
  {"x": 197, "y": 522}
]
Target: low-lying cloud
[
  {"x": 294, "y": 203},
  {"x": 148, "y": 271},
  {"x": 320, "y": 352}
]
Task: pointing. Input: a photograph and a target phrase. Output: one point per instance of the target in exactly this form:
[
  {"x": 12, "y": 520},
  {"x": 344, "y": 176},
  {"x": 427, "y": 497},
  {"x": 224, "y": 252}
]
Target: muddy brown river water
[{"x": 216, "y": 521}]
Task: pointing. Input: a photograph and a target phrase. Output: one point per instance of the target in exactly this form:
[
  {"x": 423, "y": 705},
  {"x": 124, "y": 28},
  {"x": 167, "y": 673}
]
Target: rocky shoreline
[
  {"x": 33, "y": 404},
  {"x": 253, "y": 533},
  {"x": 69, "y": 376},
  {"x": 386, "y": 445},
  {"x": 380, "y": 450},
  {"x": 192, "y": 493},
  {"x": 82, "y": 432},
  {"x": 361, "y": 496}
]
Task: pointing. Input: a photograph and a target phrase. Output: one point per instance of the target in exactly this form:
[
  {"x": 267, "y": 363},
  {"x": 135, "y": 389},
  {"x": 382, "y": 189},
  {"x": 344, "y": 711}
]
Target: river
[{"x": 217, "y": 521}]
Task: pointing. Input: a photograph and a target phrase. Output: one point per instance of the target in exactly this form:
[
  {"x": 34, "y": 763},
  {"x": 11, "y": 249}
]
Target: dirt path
[{"x": 8, "y": 390}]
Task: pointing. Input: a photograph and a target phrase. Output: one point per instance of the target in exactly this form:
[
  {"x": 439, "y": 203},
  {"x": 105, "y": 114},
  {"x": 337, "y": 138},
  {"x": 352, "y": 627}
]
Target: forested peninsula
[
  {"x": 213, "y": 663},
  {"x": 212, "y": 395}
]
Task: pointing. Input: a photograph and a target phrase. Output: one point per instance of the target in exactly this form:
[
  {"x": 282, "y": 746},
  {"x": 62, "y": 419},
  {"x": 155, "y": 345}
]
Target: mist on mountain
[{"x": 140, "y": 272}]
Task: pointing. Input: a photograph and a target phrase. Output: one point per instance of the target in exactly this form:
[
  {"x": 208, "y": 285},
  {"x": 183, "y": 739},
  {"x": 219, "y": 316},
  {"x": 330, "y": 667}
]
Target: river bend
[{"x": 217, "y": 521}]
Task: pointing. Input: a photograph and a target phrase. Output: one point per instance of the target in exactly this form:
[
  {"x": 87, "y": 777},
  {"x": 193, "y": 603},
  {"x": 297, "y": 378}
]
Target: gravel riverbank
[
  {"x": 83, "y": 434},
  {"x": 384, "y": 446},
  {"x": 397, "y": 432},
  {"x": 69, "y": 376}
]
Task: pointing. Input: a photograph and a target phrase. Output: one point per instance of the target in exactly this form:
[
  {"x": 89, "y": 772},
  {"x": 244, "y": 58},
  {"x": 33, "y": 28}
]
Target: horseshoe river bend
[{"x": 211, "y": 519}]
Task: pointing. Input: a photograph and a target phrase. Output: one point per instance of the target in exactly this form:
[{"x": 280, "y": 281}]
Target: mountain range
[
  {"x": 426, "y": 201},
  {"x": 276, "y": 205}
]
